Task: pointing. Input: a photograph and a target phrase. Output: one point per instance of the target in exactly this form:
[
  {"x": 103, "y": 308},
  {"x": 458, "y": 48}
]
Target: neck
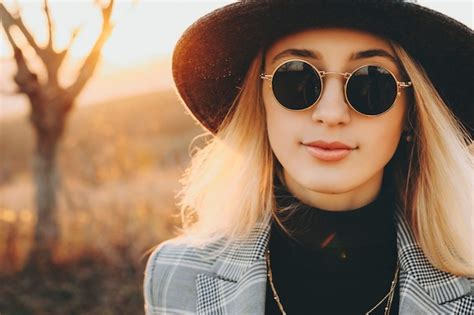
[{"x": 330, "y": 198}]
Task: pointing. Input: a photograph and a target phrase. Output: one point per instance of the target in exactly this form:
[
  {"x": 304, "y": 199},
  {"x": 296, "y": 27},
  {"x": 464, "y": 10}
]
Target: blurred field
[{"x": 120, "y": 164}]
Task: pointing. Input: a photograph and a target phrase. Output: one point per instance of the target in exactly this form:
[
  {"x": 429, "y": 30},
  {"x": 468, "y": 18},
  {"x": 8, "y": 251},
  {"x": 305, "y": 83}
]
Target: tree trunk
[
  {"x": 46, "y": 175},
  {"x": 50, "y": 105}
]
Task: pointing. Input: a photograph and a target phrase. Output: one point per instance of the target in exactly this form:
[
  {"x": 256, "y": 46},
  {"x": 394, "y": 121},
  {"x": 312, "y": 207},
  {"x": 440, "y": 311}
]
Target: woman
[{"x": 338, "y": 179}]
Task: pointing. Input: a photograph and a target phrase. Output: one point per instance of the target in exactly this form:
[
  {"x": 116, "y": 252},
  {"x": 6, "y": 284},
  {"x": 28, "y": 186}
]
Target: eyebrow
[{"x": 318, "y": 56}]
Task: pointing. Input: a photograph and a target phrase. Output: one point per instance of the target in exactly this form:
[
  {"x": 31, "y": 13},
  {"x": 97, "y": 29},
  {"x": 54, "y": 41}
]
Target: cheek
[
  {"x": 282, "y": 128},
  {"x": 281, "y": 133},
  {"x": 380, "y": 142},
  {"x": 384, "y": 141}
]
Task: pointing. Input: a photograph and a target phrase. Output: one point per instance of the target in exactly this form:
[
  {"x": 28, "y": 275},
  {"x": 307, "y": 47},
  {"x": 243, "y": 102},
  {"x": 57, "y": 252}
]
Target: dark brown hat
[{"x": 212, "y": 56}]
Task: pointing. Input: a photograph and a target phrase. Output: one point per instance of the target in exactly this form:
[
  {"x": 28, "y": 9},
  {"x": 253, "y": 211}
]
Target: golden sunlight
[
  {"x": 143, "y": 29},
  {"x": 137, "y": 55}
]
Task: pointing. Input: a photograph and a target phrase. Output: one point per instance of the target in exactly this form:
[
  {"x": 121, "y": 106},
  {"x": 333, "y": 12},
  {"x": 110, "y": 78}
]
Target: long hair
[{"x": 228, "y": 187}]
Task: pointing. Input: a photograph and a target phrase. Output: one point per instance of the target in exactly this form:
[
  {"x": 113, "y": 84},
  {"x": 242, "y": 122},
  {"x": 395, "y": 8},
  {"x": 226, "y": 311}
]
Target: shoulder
[{"x": 170, "y": 273}]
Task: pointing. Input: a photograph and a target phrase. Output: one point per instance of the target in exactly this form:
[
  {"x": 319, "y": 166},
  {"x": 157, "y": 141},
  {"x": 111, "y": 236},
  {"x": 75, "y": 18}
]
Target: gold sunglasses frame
[{"x": 346, "y": 75}]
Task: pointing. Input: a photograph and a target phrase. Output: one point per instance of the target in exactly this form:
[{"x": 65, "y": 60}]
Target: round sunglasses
[{"x": 370, "y": 90}]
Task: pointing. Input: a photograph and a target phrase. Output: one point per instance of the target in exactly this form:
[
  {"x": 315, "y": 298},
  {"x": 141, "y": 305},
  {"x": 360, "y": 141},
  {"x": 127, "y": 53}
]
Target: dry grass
[{"x": 120, "y": 164}]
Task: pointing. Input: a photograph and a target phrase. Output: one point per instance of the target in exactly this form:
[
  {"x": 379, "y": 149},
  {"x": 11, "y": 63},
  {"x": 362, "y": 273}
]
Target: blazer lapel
[
  {"x": 441, "y": 286},
  {"x": 238, "y": 279},
  {"x": 237, "y": 282}
]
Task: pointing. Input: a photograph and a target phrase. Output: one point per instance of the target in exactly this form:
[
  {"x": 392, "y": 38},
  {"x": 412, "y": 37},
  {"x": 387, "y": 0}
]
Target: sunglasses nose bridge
[
  {"x": 327, "y": 110},
  {"x": 346, "y": 75}
]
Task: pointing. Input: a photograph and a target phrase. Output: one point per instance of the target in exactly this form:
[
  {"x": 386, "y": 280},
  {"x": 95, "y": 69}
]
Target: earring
[{"x": 409, "y": 136}]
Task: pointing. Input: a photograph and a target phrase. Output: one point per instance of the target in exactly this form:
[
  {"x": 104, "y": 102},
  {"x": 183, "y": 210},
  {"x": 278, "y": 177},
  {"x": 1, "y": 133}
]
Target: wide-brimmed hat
[{"x": 211, "y": 58}]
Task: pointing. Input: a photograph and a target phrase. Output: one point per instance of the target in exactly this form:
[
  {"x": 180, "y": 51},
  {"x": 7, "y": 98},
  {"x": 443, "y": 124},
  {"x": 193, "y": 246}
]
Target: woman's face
[{"x": 356, "y": 179}]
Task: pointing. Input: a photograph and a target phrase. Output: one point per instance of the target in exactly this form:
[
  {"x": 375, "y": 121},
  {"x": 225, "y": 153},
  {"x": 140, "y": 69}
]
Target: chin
[
  {"x": 329, "y": 189},
  {"x": 325, "y": 185}
]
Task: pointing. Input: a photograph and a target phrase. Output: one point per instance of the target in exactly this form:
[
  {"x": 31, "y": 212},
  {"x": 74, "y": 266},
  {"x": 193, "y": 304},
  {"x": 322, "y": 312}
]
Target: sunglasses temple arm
[{"x": 404, "y": 84}]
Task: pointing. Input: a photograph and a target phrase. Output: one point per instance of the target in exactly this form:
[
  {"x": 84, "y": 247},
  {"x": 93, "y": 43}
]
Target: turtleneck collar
[{"x": 312, "y": 228}]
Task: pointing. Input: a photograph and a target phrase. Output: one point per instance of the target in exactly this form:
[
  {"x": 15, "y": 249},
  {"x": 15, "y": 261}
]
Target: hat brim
[{"x": 211, "y": 58}]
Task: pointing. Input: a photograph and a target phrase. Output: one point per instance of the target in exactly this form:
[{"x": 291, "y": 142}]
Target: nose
[{"x": 332, "y": 108}]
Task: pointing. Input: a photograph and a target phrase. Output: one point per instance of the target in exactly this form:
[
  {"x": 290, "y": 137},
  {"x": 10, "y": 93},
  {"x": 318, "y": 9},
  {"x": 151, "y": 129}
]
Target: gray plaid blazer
[{"x": 180, "y": 279}]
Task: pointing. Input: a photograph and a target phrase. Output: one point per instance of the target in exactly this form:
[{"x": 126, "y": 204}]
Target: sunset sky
[
  {"x": 146, "y": 31},
  {"x": 146, "y": 28}
]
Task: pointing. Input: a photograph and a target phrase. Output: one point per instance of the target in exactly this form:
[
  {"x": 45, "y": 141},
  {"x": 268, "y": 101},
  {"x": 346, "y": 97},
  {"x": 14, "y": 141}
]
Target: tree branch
[
  {"x": 51, "y": 59},
  {"x": 74, "y": 34},
  {"x": 50, "y": 25},
  {"x": 7, "y": 31},
  {"x": 8, "y": 20},
  {"x": 90, "y": 63},
  {"x": 26, "y": 80}
]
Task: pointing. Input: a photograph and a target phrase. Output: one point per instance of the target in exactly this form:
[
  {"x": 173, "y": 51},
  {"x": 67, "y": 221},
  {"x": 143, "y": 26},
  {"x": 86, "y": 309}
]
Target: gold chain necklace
[{"x": 389, "y": 294}]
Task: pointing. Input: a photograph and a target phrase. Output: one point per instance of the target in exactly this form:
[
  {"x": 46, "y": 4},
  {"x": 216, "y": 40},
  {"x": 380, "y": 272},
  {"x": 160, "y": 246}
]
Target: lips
[
  {"x": 328, "y": 151},
  {"x": 336, "y": 145}
]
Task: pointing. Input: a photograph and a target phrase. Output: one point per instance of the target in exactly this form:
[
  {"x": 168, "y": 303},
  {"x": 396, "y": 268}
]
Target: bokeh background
[{"x": 125, "y": 145}]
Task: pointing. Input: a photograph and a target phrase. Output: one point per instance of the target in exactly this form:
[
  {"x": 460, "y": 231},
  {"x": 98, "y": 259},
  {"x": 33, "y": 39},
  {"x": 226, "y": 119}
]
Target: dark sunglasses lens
[
  {"x": 371, "y": 90},
  {"x": 296, "y": 85}
]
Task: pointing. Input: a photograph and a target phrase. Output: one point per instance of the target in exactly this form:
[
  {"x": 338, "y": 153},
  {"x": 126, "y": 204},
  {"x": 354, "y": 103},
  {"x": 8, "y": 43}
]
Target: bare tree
[{"x": 50, "y": 104}]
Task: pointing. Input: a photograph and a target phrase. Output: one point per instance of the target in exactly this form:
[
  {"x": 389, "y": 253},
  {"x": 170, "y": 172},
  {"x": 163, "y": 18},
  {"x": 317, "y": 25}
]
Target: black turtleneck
[{"x": 339, "y": 262}]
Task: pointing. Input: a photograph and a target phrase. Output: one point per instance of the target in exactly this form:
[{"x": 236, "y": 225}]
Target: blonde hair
[{"x": 228, "y": 187}]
